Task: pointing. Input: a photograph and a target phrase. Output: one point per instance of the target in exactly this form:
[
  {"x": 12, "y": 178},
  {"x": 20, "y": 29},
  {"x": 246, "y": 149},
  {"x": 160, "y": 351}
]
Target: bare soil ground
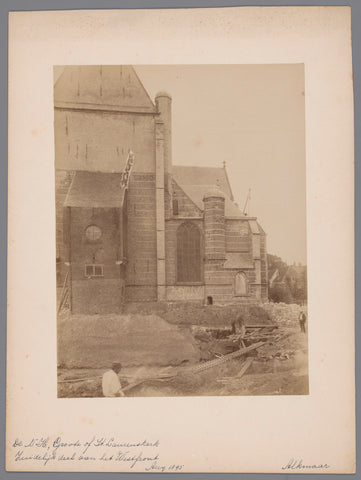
[{"x": 278, "y": 368}]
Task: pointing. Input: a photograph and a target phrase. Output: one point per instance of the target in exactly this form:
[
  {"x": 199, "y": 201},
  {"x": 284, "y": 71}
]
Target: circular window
[{"x": 93, "y": 233}]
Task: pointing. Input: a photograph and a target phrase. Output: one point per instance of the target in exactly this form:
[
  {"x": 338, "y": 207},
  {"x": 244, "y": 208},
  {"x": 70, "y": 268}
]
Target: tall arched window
[
  {"x": 188, "y": 253},
  {"x": 240, "y": 284}
]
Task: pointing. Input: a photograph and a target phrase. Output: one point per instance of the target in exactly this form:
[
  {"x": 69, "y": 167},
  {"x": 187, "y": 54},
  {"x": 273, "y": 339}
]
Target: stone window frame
[
  {"x": 94, "y": 266},
  {"x": 199, "y": 281},
  {"x": 93, "y": 240},
  {"x": 243, "y": 274}
]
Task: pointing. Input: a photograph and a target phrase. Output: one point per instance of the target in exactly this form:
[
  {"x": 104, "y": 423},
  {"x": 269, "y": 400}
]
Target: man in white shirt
[{"x": 111, "y": 383}]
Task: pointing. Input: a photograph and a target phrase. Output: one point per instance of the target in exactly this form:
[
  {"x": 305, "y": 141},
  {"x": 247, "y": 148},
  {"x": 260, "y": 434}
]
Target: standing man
[
  {"x": 110, "y": 383},
  {"x": 302, "y": 319}
]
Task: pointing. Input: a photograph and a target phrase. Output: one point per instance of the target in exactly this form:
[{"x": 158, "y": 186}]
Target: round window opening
[{"x": 93, "y": 233}]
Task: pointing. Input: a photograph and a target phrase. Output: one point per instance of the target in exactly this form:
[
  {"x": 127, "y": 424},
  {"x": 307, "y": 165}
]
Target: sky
[{"x": 253, "y": 118}]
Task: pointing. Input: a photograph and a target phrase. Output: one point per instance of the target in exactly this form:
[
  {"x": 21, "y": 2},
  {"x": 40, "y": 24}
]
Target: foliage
[{"x": 289, "y": 284}]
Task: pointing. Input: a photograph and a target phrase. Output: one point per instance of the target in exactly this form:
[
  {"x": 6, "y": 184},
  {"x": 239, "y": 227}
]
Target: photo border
[{"x": 37, "y": 5}]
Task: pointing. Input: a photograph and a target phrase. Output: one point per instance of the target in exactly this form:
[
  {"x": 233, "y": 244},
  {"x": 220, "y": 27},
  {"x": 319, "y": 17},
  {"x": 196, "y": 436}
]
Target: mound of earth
[
  {"x": 96, "y": 341},
  {"x": 188, "y": 313}
]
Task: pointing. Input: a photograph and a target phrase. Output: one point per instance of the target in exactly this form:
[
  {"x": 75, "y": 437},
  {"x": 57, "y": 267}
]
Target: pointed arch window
[
  {"x": 240, "y": 284},
  {"x": 188, "y": 253}
]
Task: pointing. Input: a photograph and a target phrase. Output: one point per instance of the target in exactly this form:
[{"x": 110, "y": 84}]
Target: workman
[
  {"x": 110, "y": 383},
  {"x": 302, "y": 320},
  {"x": 241, "y": 326}
]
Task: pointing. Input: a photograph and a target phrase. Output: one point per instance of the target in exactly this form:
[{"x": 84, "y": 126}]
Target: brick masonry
[
  {"x": 140, "y": 274},
  {"x": 63, "y": 180},
  {"x": 141, "y": 248}
]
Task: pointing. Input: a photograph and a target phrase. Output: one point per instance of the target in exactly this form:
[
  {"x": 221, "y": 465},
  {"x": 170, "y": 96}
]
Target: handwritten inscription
[
  {"x": 139, "y": 455},
  {"x": 300, "y": 465}
]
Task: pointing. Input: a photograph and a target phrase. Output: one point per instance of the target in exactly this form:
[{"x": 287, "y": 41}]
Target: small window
[
  {"x": 175, "y": 206},
  {"x": 93, "y": 233},
  {"x": 98, "y": 270},
  {"x": 240, "y": 284},
  {"x": 89, "y": 270},
  {"x": 94, "y": 271}
]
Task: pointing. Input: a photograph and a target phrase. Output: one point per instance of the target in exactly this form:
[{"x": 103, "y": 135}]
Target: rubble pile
[{"x": 283, "y": 313}]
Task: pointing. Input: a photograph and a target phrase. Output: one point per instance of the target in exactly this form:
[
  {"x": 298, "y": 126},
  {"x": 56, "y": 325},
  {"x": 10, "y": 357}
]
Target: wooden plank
[
  {"x": 245, "y": 367},
  {"x": 144, "y": 380},
  {"x": 225, "y": 358},
  {"x": 261, "y": 326},
  {"x": 252, "y": 334}
]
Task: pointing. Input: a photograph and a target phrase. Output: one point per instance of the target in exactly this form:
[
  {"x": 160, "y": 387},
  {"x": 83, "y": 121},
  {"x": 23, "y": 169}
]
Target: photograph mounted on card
[{"x": 174, "y": 208}]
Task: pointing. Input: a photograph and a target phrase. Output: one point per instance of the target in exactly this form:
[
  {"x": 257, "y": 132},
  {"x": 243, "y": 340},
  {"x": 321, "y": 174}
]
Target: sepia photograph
[
  {"x": 181, "y": 263},
  {"x": 181, "y": 241}
]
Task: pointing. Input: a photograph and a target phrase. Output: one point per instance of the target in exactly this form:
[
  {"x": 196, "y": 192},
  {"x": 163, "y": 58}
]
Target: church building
[{"x": 130, "y": 225}]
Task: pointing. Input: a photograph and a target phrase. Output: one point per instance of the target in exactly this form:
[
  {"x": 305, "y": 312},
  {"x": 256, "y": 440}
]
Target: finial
[
  {"x": 218, "y": 183},
  {"x": 224, "y": 164}
]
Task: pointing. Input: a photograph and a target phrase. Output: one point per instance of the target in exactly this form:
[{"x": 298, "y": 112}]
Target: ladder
[{"x": 65, "y": 295}]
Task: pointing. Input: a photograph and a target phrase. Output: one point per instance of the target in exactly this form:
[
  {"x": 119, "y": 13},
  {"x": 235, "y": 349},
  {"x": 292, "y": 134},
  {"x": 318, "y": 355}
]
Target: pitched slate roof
[
  {"x": 189, "y": 175},
  {"x": 197, "y": 192},
  {"x": 102, "y": 87},
  {"x": 95, "y": 189}
]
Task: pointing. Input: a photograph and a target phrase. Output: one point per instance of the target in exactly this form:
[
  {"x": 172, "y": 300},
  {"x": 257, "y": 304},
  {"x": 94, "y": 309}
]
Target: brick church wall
[
  {"x": 238, "y": 236},
  {"x": 95, "y": 295},
  {"x": 220, "y": 282},
  {"x": 141, "y": 253},
  {"x": 86, "y": 140},
  {"x": 63, "y": 180},
  {"x": 264, "y": 268}
]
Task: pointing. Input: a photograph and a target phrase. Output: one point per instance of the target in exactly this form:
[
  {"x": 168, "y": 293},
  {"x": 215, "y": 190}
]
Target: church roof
[
  {"x": 95, "y": 189},
  {"x": 197, "y": 181},
  {"x": 103, "y": 87},
  {"x": 189, "y": 175},
  {"x": 197, "y": 192}
]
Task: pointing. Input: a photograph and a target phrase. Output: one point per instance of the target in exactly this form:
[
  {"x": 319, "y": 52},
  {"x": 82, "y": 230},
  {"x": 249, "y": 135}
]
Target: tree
[
  {"x": 280, "y": 293},
  {"x": 289, "y": 283}
]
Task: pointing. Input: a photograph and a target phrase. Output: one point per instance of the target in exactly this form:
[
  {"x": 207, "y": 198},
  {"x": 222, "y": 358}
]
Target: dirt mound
[
  {"x": 96, "y": 341},
  {"x": 195, "y": 314}
]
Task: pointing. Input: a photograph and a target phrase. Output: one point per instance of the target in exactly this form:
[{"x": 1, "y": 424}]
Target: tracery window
[{"x": 188, "y": 253}]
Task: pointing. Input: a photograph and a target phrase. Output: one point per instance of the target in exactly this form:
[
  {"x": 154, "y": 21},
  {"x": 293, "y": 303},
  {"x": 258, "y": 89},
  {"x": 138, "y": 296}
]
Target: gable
[
  {"x": 186, "y": 205},
  {"x": 107, "y": 87},
  {"x": 189, "y": 175}
]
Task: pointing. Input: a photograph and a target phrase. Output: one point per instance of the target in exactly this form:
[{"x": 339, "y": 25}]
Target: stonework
[{"x": 140, "y": 254}]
